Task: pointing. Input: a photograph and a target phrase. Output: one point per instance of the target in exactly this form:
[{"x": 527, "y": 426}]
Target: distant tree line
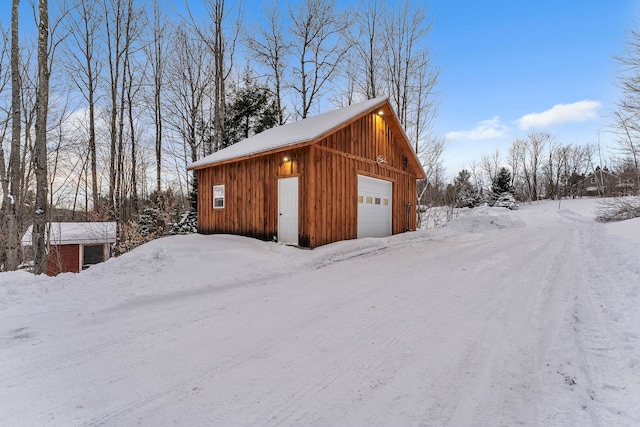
[{"x": 539, "y": 167}]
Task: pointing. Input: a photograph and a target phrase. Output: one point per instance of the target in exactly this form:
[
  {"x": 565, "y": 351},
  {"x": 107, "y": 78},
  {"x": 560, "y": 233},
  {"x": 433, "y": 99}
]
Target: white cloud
[
  {"x": 561, "y": 113},
  {"x": 484, "y": 129}
]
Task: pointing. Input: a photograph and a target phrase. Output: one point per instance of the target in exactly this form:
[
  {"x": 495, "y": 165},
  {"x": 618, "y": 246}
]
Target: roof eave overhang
[{"x": 258, "y": 154}]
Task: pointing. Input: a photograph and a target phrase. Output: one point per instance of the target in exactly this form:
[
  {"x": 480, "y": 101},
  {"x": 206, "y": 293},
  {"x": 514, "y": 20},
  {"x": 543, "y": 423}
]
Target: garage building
[{"x": 349, "y": 173}]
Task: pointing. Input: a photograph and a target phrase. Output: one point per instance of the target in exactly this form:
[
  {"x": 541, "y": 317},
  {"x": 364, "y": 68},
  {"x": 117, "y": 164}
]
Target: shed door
[
  {"x": 288, "y": 210},
  {"x": 92, "y": 254},
  {"x": 374, "y": 207}
]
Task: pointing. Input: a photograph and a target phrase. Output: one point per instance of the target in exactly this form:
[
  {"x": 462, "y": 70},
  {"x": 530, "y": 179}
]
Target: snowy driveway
[{"x": 500, "y": 318}]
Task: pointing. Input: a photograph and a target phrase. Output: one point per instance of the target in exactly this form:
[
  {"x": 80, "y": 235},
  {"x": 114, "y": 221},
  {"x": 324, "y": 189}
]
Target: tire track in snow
[
  {"x": 228, "y": 363},
  {"x": 346, "y": 373},
  {"x": 507, "y": 362},
  {"x": 255, "y": 351},
  {"x": 375, "y": 357},
  {"x": 335, "y": 340},
  {"x": 598, "y": 362},
  {"x": 66, "y": 357}
]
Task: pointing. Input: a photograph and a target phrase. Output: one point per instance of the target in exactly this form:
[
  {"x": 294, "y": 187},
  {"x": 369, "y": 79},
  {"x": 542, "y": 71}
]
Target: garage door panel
[{"x": 374, "y": 207}]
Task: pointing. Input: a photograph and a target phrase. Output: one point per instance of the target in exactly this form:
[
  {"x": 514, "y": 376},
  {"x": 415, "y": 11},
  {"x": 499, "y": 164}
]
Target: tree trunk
[
  {"x": 219, "y": 76},
  {"x": 89, "y": 39},
  {"x": 12, "y": 200},
  {"x": 132, "y": 139},
  {"x": 114, "y": 39},
  {"x": 157, "y": 61},
  {"x": 40, "y": 158}
]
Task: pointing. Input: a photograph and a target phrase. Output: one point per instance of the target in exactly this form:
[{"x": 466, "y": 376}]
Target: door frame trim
[{"x": 297, "y": 240}]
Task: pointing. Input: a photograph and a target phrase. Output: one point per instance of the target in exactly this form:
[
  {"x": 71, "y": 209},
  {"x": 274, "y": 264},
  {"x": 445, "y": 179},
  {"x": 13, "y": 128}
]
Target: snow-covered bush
[
  {"x": 468, "y": 199},
  {"x": 150, "y": 222},
  {"x": 435, "y": 216},
  {"x": 187, "y": 224},
  {"x": 506, "y": 200},
  {"x": 618, "y": 209}
]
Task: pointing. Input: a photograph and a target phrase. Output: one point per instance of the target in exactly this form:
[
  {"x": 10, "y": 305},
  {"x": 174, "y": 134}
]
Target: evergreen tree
[
  {"x": 502, "y": 182},
  {"x": 150, "y": 222},
  {"x": 251, "y": 109},
  {"x": 467, "y": 195},
  {"x": 500, "y": 185},
  {"x": 193, "y": 192}
]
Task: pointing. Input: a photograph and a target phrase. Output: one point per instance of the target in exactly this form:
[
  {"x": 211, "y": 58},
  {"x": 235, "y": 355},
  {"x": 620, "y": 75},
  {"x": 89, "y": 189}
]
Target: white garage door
[{"x": 374, "y": 207}]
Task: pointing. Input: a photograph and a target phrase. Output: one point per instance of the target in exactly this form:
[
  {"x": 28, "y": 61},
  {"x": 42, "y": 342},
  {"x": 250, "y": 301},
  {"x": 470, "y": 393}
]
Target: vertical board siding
[
  {"x": 328, "y": 185},
  {"x": 354, "y": 150},
  {"x": 251, "y": 194}
]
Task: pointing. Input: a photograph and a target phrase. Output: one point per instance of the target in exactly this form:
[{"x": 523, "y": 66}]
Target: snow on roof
[
  {"x": 289, "y": 134},
  {"x": 78, "y": 233}
]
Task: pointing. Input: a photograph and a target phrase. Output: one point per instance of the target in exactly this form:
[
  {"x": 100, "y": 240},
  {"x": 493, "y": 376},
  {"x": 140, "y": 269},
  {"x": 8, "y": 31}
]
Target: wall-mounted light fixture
[
  {"x": 287, "y": 164},
  {"x": 381, "y": 113}
]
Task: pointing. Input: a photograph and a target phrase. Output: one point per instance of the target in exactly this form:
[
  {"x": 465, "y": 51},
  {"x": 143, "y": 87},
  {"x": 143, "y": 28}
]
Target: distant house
[
  {"x": 604, "y": 183},
  {"x": 345, "y": 174},
  {"x": 74, "y": 246}
]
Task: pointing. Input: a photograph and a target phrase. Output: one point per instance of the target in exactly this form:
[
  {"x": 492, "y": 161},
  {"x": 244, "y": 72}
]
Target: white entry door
[
  {"x": 374, "y": 207},
  {"x": 288, "y": 210}
]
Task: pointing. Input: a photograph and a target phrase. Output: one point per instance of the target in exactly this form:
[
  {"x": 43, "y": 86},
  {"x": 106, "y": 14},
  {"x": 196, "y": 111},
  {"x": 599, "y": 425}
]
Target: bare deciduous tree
[
  {"x": 132, "y": 90},
  {"x": 406, "y": 28},
  {"x": 432, "y": 161},
  {"x": 318, "y": 46},
  {"x": 425, "y": 104},
  {"x": 84, "y": 68},
  {"x": 627, "y": 144},
  {"x": 270, "y": 48},
  {"x": 368, "y": 51},
  {"x": 491, "y": 164},
  {"x": 40, "y": 154},
  {"x": 188, "y": 81},
  {"x": 222, "y": 44},
  {"x": 5, "y": 119},
  {"x": 629, "y": 79},
  {"x": 536, "y": 142},
  {"x": 627, "y": 117},
  {"x": 118, "y": 36},
  {"x": 557, "y": 170},
  {"x": 156, "y": 51},
  {"x": 123, "y": 31},
  {"x": 12, "y": 197}
]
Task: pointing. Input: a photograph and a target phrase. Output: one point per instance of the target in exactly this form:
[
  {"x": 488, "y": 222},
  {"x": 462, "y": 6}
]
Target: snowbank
[{"x": 498, "y": 317}]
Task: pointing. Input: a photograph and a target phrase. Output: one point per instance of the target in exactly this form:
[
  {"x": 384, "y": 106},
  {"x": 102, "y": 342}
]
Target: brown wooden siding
[
  {"x": 337, "y": 190},
  {"x": 251, "y": 194},
  {"x": 63, "y": 259},
  {"x": 328, "y": 186},
  {"x": 369, "y": 138}
]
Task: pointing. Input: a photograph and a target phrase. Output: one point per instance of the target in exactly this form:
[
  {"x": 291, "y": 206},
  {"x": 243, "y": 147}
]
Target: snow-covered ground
[{"x": 498, "y": 318}]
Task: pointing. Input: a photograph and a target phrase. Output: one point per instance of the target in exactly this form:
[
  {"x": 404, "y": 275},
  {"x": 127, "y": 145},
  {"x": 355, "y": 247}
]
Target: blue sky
[
  {"x": 506, "y": 64},
  {"x": 509, "y": 67}
]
